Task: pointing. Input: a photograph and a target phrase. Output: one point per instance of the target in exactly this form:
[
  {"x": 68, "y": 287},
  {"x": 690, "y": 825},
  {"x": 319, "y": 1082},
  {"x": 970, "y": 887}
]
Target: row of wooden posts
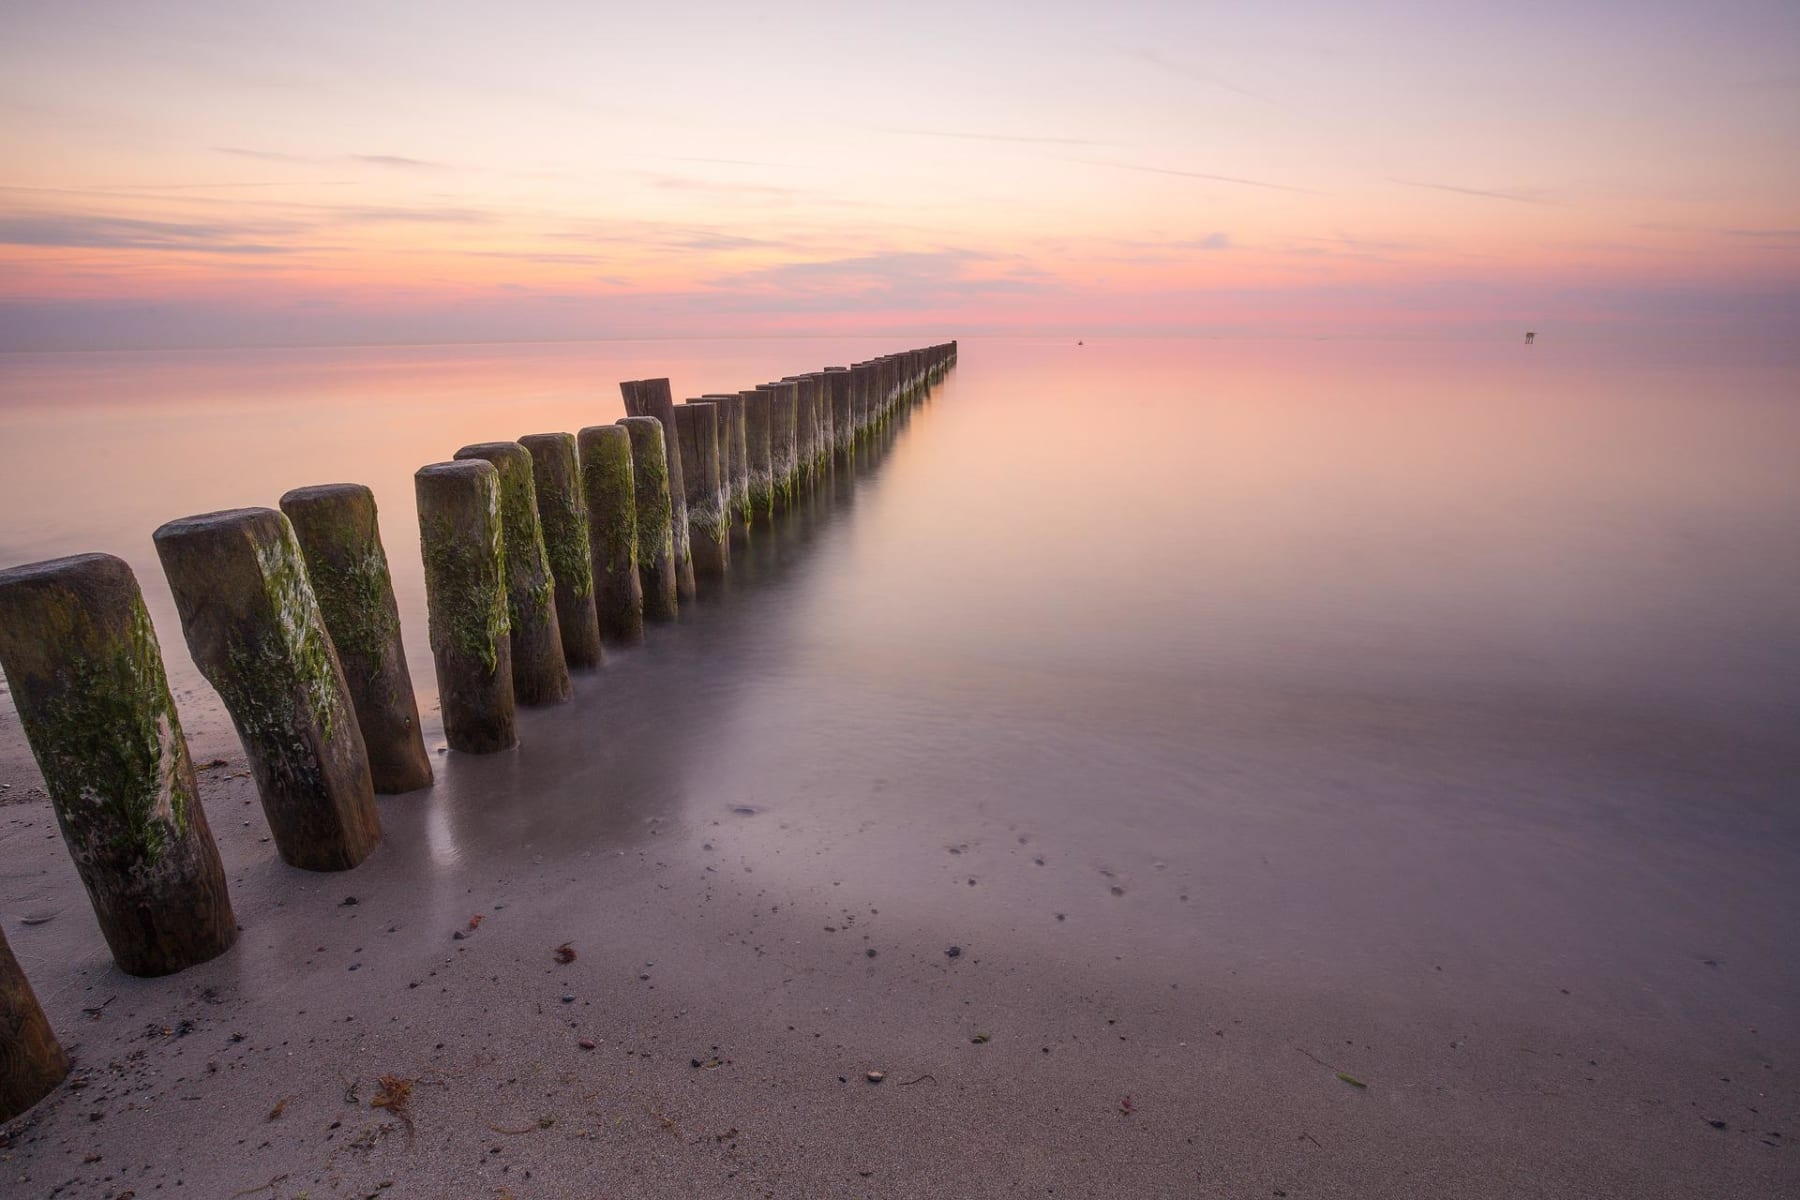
[{"x": 537, "y": 554}]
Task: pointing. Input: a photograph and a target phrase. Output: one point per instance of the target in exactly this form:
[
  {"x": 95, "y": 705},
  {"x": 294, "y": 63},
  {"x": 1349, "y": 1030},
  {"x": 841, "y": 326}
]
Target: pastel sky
[{"x": 272, "y": 173}]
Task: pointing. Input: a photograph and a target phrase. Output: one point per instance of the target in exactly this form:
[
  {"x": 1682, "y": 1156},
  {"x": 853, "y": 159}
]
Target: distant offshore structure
[{"x": 1530, "y": 337}]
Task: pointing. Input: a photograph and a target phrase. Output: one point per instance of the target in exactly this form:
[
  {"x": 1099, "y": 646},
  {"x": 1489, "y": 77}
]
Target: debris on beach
[
  {"x": 980, "y": 1039},
  {"x": 875, "y": 1076},
  {"x": 565, "y": 953},
  {"x": 953, "y": 952},
  {"x": 1352, "y": 1080},
  {"x": 475, "y": 922},
  {"x": 1126, "y": 1106}
]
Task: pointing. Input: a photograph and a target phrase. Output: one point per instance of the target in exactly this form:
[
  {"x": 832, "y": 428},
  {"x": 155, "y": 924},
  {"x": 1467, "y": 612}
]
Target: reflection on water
[{"x": 1461, "y": 619}]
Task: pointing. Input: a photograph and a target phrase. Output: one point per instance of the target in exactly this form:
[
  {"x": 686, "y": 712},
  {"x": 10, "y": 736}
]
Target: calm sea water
[{"x": 1366, "y": 645}]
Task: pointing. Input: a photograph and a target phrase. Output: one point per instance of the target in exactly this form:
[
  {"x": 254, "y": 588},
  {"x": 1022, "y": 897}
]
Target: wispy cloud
[
  {"x": 1239, "y": 180},
  {"x": 1026, "y": 139},
  {"x": 1773, "y": 235},
  {"x": 382, "y": 214},
  {"x": 1516, "y": 195},
  {"x": 1195, "y": 74},
  {"x": 71, "y": 230},
  {"x": 400, "y": 161}
]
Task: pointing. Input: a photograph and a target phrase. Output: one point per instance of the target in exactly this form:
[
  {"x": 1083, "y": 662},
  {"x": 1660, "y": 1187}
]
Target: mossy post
[
  {"x": 734, "y": 457},
  {"x": 760, "y": 483},
  {"x": 652, "y": 398},
  {"x": 465, "y": 591},
  {"x": 609, "y": 489},
  {"x": 697, "y": 426},
  {"x": 562, "y": 514},
  {"x": 253, "y": 626},
  {"x": 843, "y": 425},
  {"x": 87, "y": 679},
  {"x": 655, "y": 519},
  {"x": 861, "y": 392},
  {"x": 783, "y": 434},
  {"x": 337, "y": 528},
  {"x": 539, "y": 671},
  {"x": 827, "y": 420},
  {"x": 32, "y": 1061},
  {"x": 806, "y": 432}
]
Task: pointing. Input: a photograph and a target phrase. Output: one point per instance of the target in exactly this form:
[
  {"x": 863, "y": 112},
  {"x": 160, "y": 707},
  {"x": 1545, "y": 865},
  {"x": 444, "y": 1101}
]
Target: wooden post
[
  {"x": 540, "y": 673},
  {"x": 734, "y": 456},
  {"x": 827, "y": 447},
  {"x": 697, "y": 425},
  {"x": 609, "y": 488},
  {"x": 862, "y": 392},
  {"x": 562, "y": 514},
  {"x": 465, "y": 590},
  {"x": 843, "y": 431},
  {"x": 253, "y": 626},
  {"x": 652, "y": 398},
  {"x": 783, "y": 435},
  {"x": 655, "y": 517},
  {"x": 32, "y": 1062},
  {"x": 87, "y": 680},
  {"x": 758, "y": 413},
  {"x": 806, "y": 432},
  {"x": 340, "y": 536}
]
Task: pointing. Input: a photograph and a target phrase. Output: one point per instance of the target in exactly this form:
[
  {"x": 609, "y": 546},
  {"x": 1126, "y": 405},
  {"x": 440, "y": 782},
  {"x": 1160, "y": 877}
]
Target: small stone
[
  {"x": 586, "y": 1043},
  {"x": 347, "y": 902},
  {"x": 568, "y": 999},
  {"x": 953, "y": 952},
  {"x": 875, "y": 1076},
  {"x": 870, "y": 952}
]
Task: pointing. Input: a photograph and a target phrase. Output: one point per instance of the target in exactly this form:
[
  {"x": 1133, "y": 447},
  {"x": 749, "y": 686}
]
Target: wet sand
[{"x": 1555, "y": 942}]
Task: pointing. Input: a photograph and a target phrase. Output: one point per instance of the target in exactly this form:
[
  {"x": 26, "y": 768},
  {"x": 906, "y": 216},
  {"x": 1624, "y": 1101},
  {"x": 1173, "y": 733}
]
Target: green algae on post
[
  {"x": 609, "y": 489},
  {"x": 339, "y": 535},
  {"x": 32, "y": 1061},
  {"x": 540, "y": 673},
  {"x": 655, "y": 517},
  {"x": 254, "y": 628},
  {"x": 562, "y": 514},
  {"x": 759, "y": 485},
  {"x": 87, "y": 679},
  {"x": 783, "y": 431},
  {"x": 697, "y": 426},
  {"x": 652, "y": 398},
  {"x": 465, "y": 592}
]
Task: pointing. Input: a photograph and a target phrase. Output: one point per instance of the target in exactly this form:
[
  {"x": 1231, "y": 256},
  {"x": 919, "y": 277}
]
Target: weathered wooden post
[
  {"x": 540, "y": 673},
  {"x": 253, "y": 626},
  {"x": 562, "y": 514},
  {"x": 652, "y": 398},
  {"x": 806, "y": 432},
  {"x": 697, "y": 425},
  {"x": 734, "y": 456},
  {"x": 465, "y": 591},
  {"x": 862, "y": 392},
  {"x": 340, "y": 537},
  {"x": 843, "y": 432},
  {"x": 32, "y": 1061},
  {"x": 783, "y": 435},
  {"x": 758, "y": 415},
  {"x": 827, "y": 447},
  {"x": 609, "y": 489},
  {"x": 654, "y": 516},
  {"x": 87, "y": 679}
]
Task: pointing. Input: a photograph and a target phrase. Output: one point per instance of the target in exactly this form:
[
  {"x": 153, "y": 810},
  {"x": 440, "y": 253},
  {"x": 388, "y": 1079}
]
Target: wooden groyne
[{"x": 534, "y": 552}]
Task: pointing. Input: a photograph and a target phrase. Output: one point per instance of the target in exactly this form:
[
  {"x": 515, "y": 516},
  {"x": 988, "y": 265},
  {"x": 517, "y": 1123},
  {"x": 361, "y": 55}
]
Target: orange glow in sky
[{"x": 252, "y": 173}]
